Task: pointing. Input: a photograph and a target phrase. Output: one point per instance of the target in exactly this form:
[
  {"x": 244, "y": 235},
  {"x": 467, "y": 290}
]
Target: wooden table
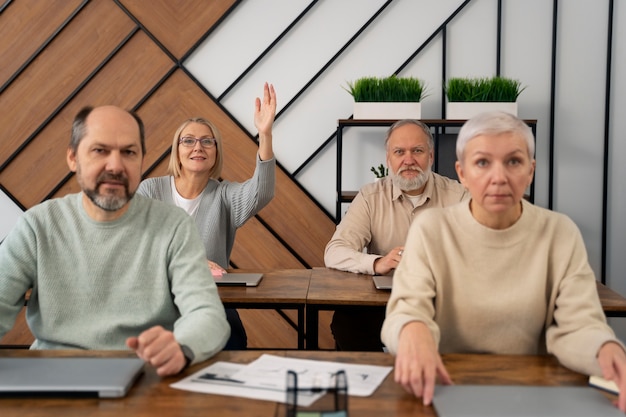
[
  {"x": 280, "y": 289},
  {"x": 331, "y": 289},
  {"x": 152, "y": 396},
  {"x": 613, "y": 304}
]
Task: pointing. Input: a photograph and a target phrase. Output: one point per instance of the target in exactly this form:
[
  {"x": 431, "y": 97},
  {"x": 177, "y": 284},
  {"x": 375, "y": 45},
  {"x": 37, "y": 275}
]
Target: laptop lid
[
  {"x": 68, "y": 377},
  {"x": 383, "y": 282},
  {"x": 521, "y": 401},
  {"x": 239, "y": 278}
]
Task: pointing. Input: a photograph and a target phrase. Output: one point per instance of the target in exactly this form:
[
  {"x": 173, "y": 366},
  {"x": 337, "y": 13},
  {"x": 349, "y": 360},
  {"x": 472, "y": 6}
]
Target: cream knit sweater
[{"x": 527, "y": 289}]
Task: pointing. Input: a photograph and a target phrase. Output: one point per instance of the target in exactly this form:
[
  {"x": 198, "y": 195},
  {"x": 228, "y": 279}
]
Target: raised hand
[{"x": 265, "y": 110}]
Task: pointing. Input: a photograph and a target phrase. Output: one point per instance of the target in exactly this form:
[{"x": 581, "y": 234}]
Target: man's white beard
[{"x": 410, "y": 184}]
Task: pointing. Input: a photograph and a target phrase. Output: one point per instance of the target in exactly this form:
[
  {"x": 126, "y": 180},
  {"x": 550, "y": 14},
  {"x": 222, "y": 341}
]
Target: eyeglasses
[{"x": 190, "y": 142}]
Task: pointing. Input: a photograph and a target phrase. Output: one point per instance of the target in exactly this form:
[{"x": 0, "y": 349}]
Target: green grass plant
[
  {"x": 388, "y": 89},
  {"x": 495, "y": 89}
]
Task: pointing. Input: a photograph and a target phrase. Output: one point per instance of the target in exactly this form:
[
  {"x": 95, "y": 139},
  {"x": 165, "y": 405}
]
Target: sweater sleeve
[
  {"x": 579, "y": 327},
  {"x": 344, "y": 251},
  {"x": 156, "y": 188},
  {"x": 414, "y": 288},
  {"x": 247, "y": 198},
  {"x": 202, "y": 325}
]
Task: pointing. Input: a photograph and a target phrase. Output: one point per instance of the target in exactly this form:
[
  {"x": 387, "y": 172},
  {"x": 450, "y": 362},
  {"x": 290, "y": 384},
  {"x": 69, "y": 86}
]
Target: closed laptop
[
  {"x": 521, "y": 401},
  {"x": 383, "y": 282},
  {"x": 68, "y": 376},
  {"x": 239, "y": 279}
]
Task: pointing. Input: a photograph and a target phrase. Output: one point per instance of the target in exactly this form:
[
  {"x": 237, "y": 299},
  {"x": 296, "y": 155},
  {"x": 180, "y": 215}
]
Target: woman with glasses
[{"x": 218, "y": 207}]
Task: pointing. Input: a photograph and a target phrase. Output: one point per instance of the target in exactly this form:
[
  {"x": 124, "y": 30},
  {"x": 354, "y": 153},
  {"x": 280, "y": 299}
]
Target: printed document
[{"x": 266, "y": 378}]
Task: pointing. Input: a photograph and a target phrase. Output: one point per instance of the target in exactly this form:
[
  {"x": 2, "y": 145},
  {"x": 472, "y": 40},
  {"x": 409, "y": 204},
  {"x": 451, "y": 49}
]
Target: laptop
[
  {"x": 245, "y": 279},
  {"x": 521, "y": 401},
  {"x": 68, "y": 376},
  {"x": 382, "y": 282}
]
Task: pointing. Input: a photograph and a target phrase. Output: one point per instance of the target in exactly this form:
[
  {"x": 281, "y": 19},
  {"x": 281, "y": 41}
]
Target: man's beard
[
  {"x": 410, "y": 184},
  {"x": 110, "y": 202}
]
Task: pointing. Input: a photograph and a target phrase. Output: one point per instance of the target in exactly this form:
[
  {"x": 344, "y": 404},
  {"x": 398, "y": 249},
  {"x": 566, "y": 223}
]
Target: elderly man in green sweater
[{"x": 110, "y": 269}]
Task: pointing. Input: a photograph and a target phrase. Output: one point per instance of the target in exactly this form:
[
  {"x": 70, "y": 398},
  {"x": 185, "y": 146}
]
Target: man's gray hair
[{"x": 423, "y": 126}]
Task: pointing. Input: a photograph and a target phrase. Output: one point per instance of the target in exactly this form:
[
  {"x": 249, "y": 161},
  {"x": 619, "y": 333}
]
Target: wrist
[
  {"x": 188, "y": 354},
  {"x": 374, "y": 265}
]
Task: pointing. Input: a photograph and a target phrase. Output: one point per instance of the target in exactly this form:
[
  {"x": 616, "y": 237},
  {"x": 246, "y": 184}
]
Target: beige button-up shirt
[{"x": 378, "y": 220}]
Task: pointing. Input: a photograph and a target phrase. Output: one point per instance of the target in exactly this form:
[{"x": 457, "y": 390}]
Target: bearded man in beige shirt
[{"x": 370, "y": 238}]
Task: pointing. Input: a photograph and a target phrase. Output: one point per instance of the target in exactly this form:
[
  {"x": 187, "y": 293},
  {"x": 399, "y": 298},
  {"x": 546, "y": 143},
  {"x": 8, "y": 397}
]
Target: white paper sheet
[
  {"x": 270, "y": 371},
  {"x": 266, "y": 378},
  {"x": 218, "y": 379}
]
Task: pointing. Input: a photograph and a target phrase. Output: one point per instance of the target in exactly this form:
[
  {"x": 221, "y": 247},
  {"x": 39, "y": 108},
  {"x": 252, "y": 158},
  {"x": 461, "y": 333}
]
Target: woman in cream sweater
[{"x": 496, "y": 274}]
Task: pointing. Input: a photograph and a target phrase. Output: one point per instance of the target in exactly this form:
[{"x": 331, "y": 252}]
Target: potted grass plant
[
  {"x": 387, "y": 98},
  {"x": 470, "y": 96}
]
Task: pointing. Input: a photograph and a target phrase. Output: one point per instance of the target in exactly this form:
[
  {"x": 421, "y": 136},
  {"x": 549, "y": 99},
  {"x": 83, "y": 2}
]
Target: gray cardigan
[{"x": 224, "y": 206}]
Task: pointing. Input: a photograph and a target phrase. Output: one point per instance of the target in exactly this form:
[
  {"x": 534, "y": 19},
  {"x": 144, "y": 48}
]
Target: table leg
[
  {"x": 312, "y": 323},
  {"x": 301, "y": 331}
]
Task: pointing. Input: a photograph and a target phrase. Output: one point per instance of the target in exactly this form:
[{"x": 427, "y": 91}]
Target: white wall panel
[
  {"x": 427, "y": 67},
  {"x": 319, "y": 178},
  {"x": 239, "y": 40},
  {"x": 579, "y": 122},
  {"x": 309, "y": 46},
  {"x": 9, "y": 213},
  {"x": 472, "y": 41},
  {"x": 527, "y": 56},
  {"x": 616, "y": 240},
  {"x": 616, "y": 256},
  {"x": 363, "y": 148}
]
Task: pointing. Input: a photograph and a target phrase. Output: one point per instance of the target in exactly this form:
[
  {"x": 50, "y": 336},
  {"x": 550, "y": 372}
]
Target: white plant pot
[
  {"x": 387, "y": 111},
  {"x": 464, "y": 111}
]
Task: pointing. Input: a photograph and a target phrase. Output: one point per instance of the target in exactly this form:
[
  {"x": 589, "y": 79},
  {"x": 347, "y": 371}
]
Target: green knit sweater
[{"x": 94, "y": 284}]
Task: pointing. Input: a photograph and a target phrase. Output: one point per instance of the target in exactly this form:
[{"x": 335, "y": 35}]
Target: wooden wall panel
[
  {"x": 41, "y": 102},
  {"x": 300, "y": 223},
  {"x": 281, "y": 335},
  {"x": 70, "y": 187},
  {"x": 123, "y": 82},
  {"x": 178, "y": 24},
  {"x": 160, "y": 169},
  {"x": 255, "y": 247},
  {"x": 24, "y": 27},
  {"x": 59, "y": 70}
]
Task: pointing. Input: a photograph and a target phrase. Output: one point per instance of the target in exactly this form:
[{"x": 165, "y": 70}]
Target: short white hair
[{"x": 493, "y": 124}]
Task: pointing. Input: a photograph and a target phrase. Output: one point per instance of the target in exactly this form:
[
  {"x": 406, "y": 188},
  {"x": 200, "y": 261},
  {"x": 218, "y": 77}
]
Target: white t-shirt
[{"x": 189, "y": 205}]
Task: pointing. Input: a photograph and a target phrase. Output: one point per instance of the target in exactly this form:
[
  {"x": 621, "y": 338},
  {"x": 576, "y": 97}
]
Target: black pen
[{"x": 216, "y": 377}]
